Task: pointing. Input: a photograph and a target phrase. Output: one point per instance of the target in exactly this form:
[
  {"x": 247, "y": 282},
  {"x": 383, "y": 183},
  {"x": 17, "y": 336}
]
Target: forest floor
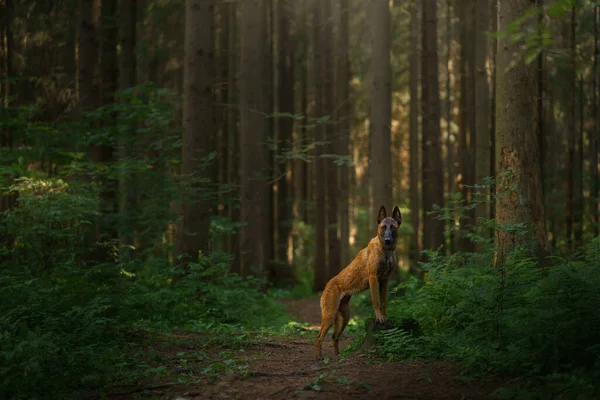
[{"x": 284, "y": 367}]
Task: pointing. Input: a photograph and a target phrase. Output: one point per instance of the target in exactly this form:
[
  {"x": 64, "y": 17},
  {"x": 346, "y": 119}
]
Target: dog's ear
[
  {"x": 382, "y": 215},
  {"x": 397, "y": 215}
]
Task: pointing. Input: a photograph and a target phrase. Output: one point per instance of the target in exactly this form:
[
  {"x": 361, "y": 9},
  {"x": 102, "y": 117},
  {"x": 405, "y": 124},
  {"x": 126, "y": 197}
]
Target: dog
[{"x": 371, "y": 269}]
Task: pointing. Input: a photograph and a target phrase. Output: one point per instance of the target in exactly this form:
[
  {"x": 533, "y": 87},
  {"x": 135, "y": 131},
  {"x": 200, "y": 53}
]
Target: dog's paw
[{"x": 380, "y": 319}]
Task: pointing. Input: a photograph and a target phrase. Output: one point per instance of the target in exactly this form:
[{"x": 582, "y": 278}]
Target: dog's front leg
[
  {"x": 383, "y": 288},
  {"x": 374, "y": 287}
]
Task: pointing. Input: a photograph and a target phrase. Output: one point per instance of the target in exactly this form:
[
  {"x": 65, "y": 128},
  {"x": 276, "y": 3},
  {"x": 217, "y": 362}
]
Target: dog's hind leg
[
  {"x": 341, "y": 320},
  {"x": 330, "y": 303}
]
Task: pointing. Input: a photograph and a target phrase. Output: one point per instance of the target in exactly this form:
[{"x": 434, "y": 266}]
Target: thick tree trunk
[
  {"x": 254, "y": 159},
  {"x": 284, "y": 273},
  {"x": 332, "y": 142},
  {"x": 482, "y": 105},
  {"x": 198, "y": 126},
  {"x": 321, "y": 268},
  {"x": 415, "y": 251},
  {"x": 431, "y": 161},
  {"x": 343, "y": 99},
  {"x": 517, "y": 153},
  {"x": 127, "y": 13},
  {"x": 380, "y": 153},
  {"x": 594, "y": 197},
  {"x": 233, "y": 150},
  {"x": 268, "y": 83},
  {"x": 467, "y": 119}
]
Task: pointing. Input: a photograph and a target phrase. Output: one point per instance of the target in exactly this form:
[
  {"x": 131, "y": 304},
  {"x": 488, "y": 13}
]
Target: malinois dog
[{"x": 371, "y": 268}]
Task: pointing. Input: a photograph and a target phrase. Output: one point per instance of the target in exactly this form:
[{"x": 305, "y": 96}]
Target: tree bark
[
  {"x": 254, "y": 158},
  {"x": 380, "y": 153},
  {"x": 467, "y": 119},
  {"x": 233, "y": 150},
  {"x": 198, "y": 126},
  {"x": 284, "y": 273},
  {"x": 415, "y": 251},
  {"x": 332, "y": 146},
  {"x": 431, "y": 162},
  {"x": 517, "y": 153},
  {"x": 344, "y": 114},
  {"x": 321, "y": 268},
  {"x": 594, "y": 198},
  {"x": 127, "y": 12},
  {"x": 482, "y": 106}
]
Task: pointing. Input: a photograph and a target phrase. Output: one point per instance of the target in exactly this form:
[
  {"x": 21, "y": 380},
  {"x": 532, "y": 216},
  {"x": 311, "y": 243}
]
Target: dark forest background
[{"x": 163, "y": 162}]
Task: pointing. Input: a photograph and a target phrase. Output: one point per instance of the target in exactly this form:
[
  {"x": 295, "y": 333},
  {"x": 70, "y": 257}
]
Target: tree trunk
[
  {"x": 332, "y": 146},
  {"x": 415, "y": 251},
  {"x": 482, "y": 106},
  {"x": 594, "y": 198},
  {"x": 517, "y": 153},
  {"x": 321, "y": 268},
  {"x": 254, "y": 159},
  {"x": 268, "y": 88},
  {"x": 467, "y": 119},
  {"x": 380, "y": 154},
  {"x": 493, "y": 73},
  {"x": 127, "y": 12},
  {"x": 284, "y": 273},
  {"x": 343, "y": 99},
  {"x": 431, "y": 161},
  {"x": 198, "y": 126},
  {"x": 233, "y": 150}
]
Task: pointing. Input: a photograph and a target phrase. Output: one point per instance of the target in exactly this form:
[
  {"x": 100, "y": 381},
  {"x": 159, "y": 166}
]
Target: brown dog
[{"x": 371, "y": 268}]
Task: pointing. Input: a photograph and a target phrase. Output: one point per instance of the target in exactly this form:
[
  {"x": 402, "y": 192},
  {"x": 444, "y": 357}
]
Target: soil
[{"x": 285, "y": 368}]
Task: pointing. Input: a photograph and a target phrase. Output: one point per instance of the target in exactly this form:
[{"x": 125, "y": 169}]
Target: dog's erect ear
[
  {"x": 397, "y": 215},
  {"x": 382, "y": 214}
]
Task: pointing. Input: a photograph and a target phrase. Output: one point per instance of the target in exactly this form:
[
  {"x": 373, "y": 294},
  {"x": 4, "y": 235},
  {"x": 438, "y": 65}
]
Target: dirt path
[{"x": 284, "y": 368}]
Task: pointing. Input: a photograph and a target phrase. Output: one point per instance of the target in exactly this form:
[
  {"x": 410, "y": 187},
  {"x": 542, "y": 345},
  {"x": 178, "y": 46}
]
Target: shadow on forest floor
[{"x": 283, "y": 367}]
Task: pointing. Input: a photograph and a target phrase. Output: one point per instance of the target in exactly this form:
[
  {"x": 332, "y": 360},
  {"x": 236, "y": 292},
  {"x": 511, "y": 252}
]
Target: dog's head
[{"x": 387, "y": 228}]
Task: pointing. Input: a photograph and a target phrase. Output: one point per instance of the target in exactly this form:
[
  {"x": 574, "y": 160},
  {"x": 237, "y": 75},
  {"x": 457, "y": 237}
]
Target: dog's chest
[{"x": 386, "y": 266}]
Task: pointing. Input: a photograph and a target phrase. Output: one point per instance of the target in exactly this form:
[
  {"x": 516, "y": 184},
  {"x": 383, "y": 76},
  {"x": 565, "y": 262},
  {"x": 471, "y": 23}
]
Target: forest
[{"x": 180, "y": 179}]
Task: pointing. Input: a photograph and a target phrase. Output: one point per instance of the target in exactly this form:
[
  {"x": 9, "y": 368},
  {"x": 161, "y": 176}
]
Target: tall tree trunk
[
  {"x": 577, "y": 139},
  {"x": 109, "y": 78},
  {"x": 450, "y": 145},
  {"x": 343, "y": 99},
  {"x": 321, "y": 268},
  {"x": 7, "y": 201},
  {"x": 301, "y": 167},
  {"x": 198, "y": 126},
  {"x": 594, "y": 198},
  {"x": 6, "y": 45},
  {"x": 268, "y": 82},
  {"x": 493, "y": 73},
  {"x": 517, "y": 153},
  {"x": 574, "y": 142},
  {"x": 127, "y": 13},
  {"x": 89, "y": 32},
  {"x": 223, "y": 126},
  {"x": 467, "y": 118},
  {"x": 431, "y": 161},
  {"x": 284, "y": 273},
  {"x": 482, "y": 105},
  {"x": 233, "y": 149},
  {"x": 332, "y": 146},
  {"x": 415, "y": 251},
  {"x": 254, "y": 156},
  {"x": 380, "y": 153}
]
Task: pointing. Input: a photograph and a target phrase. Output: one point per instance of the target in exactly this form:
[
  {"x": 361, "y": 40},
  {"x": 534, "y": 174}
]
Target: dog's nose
[{"x": 388, "y": 241}]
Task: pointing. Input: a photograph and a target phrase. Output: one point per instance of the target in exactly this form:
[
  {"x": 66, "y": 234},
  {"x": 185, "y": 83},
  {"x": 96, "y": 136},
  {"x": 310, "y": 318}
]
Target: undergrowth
[{"x": 539, "y": 327}]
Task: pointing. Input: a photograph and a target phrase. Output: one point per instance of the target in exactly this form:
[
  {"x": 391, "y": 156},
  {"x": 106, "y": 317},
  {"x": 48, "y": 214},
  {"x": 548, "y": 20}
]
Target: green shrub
[{"x": 521, "y": 319}]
